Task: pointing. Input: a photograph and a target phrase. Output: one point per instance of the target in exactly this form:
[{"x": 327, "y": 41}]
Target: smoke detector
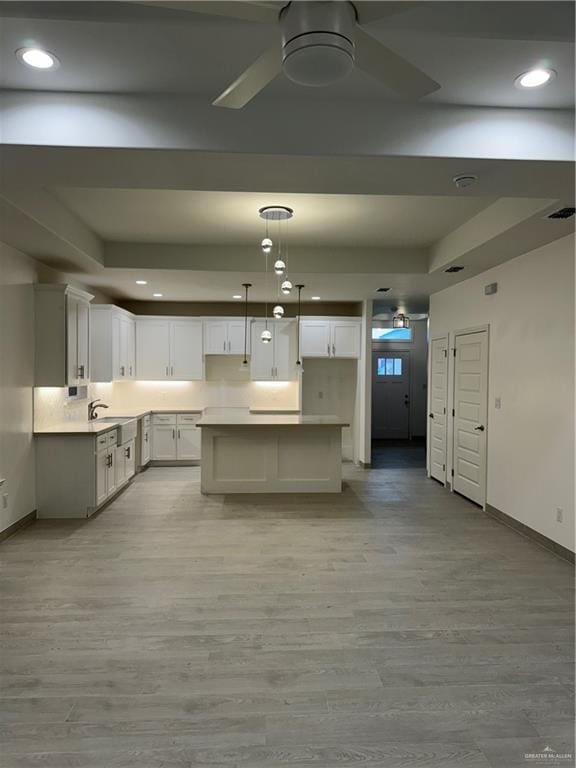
[{"x": 465, "y": 180}]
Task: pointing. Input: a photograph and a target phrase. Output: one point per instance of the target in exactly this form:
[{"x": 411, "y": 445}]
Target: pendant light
[
  {"x": 286, "y": 287},
  {"x": 246, "y": 286},
  {"x": 400, "y": 321},
  {"x": 278, "y": 311},
  {"x": 298, "y": 361},
  {"x": 279, "y": 214},
  {"x": 279, "y": 267}
]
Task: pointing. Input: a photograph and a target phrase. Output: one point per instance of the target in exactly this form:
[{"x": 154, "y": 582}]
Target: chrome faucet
[{"x": 92, "y": 409}]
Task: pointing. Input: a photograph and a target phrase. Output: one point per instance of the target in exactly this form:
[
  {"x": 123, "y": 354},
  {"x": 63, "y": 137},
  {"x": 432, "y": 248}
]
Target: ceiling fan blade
[
  {"x": 252, "y": 80},
  {"x": 368, "y": 10},
  {"x": 234, "y": 9},
  {"x": 391, "y": 69}
]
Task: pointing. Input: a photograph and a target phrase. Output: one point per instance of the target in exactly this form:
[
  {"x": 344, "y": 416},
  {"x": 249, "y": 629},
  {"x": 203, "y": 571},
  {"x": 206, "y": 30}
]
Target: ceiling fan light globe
[{"x": 320, "y": 64}]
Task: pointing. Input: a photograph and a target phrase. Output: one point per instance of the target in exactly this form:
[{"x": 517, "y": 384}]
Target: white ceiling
[
  {"x": 228, "y": 218},
  {"x": 457, "y": 43}
]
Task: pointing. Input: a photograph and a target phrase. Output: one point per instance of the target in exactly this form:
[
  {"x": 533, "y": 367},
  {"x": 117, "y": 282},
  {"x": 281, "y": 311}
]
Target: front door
[
  {"x": 390, "y": 395},
  {"x": 470, "y": 412},
  {"x": 437, "y": 413}
]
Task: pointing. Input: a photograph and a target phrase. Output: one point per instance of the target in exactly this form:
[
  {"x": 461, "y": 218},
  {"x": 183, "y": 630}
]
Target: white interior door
[
  {"x": 437, "y": 437},
  {"x": 391, "y": 395},
  {"x": 470, "y": 415},
  {"x": 186, "y": 350},
  {"x": 152, "y": 349}
]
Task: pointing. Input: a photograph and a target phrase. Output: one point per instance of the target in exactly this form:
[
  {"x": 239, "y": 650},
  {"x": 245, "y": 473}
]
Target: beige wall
[
  {"x": 531, "y": 368},
  {"x": 17, "y": 277}
]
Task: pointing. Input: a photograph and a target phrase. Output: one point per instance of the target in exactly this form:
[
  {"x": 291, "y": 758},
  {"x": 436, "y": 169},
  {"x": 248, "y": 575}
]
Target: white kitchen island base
[{"x": 271, "y": 454}]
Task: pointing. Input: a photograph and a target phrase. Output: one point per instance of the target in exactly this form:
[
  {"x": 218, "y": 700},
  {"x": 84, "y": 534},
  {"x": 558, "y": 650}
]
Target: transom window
[
  {"x": 389, "y": 366},
  {"x": 391, "y": 334}
]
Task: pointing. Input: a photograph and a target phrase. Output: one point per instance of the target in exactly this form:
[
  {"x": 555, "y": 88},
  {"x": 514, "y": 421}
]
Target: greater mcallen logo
[{"x": 548, "y": 754}]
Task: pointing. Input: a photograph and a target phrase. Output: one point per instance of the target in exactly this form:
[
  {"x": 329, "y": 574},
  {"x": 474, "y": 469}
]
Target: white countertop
[
  {"x": 270, "y": 420},
  {"x": 78, "y": 428}
]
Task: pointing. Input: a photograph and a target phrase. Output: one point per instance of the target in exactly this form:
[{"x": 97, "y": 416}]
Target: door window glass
[{"x": 389, "y": 366}]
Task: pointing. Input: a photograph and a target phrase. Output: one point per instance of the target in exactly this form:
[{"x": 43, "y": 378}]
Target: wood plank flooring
[{"x": 392, "y": 626}]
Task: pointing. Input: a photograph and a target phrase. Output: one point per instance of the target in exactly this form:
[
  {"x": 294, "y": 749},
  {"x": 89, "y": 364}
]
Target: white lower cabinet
[
  {"x": 146, "y": 442},
  {"x": 125, "y": 462},
  {"x": 175, "y": 437}
]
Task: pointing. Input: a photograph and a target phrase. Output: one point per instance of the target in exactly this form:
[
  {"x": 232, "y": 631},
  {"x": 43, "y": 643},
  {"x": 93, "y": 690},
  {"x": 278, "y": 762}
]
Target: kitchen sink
[{"x": 127, "y": 427}]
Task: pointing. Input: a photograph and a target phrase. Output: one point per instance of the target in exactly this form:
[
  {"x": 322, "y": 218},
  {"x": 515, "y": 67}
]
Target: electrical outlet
[
  {"x": 320, "y": 395},
  {"x": 559, "y": 515},
  {"x": 498, "y": 403}
]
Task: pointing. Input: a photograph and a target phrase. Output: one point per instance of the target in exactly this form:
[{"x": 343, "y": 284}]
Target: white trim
[{"x": 442, "y": 337}]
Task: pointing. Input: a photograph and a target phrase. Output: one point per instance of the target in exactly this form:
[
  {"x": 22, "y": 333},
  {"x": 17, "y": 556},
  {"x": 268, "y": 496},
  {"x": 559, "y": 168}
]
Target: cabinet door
[
  {"x": 215, "y": 337},
  {"x": 120, "y": 465},
  {"x": 153, "y": 349},
  {"x": 262, "y": 357},
  {"x": 72, "y": 341},
  {"x": 145, "y": 446},
  {"x": 189, "y": 440},
  {"x": 284, "y": 351},
  {"x": 83, "y": 341},
  {"x": 315, "y": 338},
  {"x": 236, "y": 337},
  {"x": 111, "y": 482},
  {"x": 117, "y": 370},
  {"x": 345, "y": 338},
  {"x": 129, "y": 450},
  {"x": 101, "y": 472},
  {"x": 186, "y": 350},
  {"x": 127, "y": 342},
  {"x": 163, "y": 443},
  {"x": 132, "y": 349}
]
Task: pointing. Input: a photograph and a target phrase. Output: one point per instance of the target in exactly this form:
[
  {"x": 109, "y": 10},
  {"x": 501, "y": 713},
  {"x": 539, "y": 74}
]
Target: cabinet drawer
[
  {"x": 188, "y": 418},
  {"x": 164, "y": 418},
  {"x": 101, "y": 442},
  {"x": 111, "y": 437}
]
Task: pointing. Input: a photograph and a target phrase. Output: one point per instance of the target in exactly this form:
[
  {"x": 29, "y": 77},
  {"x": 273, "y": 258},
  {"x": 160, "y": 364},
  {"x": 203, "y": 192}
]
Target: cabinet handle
[
  {"x": 172, "y": 370},
  {"x": 122, "y": 369},
  {"x": 130, "y": 370},
  {"x": 333, "y": 350},
  {"x": 167, "y": 374},
  {"x": 127, "y": 452},
  {"x": 224, "y": 345},
  {"x": 80, "y": 371},
  {"x": 178, "y": 434},
  {"x": 328, "y": 350},
  {"x": 229, "y": 346},
  {"x": 173, "y": 434},
  {"x": 145, "y": 437}
]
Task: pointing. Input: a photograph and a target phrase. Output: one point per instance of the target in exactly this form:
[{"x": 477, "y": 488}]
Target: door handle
[
  {"x": 430, "y": 415},
  {"x": 480, "y": 428}
]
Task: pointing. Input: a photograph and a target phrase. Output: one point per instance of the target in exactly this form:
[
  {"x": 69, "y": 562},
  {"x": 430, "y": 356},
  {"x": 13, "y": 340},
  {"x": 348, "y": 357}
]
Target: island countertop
[{"x": 269, "y": 420}]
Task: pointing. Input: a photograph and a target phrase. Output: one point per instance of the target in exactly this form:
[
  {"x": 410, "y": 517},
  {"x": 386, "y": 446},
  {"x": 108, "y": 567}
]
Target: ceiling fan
[{"x": 320, "y": 43}]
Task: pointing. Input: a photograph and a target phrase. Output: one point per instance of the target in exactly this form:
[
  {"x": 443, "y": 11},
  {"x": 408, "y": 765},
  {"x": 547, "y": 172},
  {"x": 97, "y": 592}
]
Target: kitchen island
[{"x": 271, "y": 453}]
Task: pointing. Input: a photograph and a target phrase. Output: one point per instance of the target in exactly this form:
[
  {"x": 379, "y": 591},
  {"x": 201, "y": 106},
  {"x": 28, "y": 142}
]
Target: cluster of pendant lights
[{"x": 276, "y": 214}]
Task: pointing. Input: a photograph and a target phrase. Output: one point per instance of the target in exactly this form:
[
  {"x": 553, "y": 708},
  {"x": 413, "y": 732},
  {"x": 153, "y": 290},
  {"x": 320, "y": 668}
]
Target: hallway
[{"x": 391, "y": 626}]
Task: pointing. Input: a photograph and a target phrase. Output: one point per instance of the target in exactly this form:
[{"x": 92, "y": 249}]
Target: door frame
[
  {"x": 390, "y": 353},
  {"x": 452, "y": 348},
  {"x": 441, "y": 337}
]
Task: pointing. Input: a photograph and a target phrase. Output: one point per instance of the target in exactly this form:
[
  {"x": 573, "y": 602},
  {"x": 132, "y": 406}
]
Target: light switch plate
[{"x": 497, "y": 403}]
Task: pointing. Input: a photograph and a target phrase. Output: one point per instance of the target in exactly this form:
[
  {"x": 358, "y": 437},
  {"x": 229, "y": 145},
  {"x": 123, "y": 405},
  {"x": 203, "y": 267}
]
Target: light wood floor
[{"x": 392, "y": 626}]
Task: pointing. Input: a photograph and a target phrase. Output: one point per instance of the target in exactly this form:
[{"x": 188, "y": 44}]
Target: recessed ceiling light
[
  {"x": 534, "y": 78},
  {"x": 237, "y": 296},
  {"x": 315, "y": 298},
  {"x": 157, "y": 295},
  {"x": 37, "y": 58},
  {"x": 141, "y": 282}
]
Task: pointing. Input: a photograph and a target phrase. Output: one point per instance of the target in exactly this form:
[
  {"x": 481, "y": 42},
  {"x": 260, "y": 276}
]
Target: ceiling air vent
[
  {"x": 562, "y": 213},
  {"x": 454, "y": 269},
  {"x": 382, "y": 290}
]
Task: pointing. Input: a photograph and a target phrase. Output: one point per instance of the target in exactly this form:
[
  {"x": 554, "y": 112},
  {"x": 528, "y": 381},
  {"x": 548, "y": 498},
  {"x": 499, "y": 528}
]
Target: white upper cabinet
[
  {"x": 113, "y": 343},
  {"x": 62, "y": 336},
  {"x": 169, "y": 348},
  {"x": 224, "y": 337},
  {"x": 330, "y": 337},
  {"x": 275, "y": 361},
  {"x": 186, "y": 350}
]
